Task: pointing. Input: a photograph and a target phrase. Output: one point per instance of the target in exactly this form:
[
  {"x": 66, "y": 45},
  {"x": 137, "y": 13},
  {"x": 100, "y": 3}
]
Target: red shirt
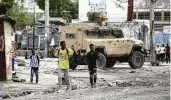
[{"x": 167, "y": 50}]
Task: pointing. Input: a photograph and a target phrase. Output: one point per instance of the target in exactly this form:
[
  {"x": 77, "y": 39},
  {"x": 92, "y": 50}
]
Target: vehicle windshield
[{"x": 110, "y": 33}]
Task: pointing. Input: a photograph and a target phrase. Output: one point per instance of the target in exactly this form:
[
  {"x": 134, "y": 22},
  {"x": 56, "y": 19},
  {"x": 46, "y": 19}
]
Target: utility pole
[
  {"x": 46, "y": 28},
  {"x": 130, "y": 10},
  {"x": 152, "y": 48},
  {"x": 34, "y": 22}
]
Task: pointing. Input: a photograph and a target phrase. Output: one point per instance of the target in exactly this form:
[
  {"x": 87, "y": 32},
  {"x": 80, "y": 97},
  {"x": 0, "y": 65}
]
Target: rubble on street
[{"x": 117, "y": 83}]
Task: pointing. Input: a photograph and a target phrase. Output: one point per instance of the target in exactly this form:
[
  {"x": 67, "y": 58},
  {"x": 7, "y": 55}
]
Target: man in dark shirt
[
  {"x": 92, "y": 56},
  {"x": 167, "y": 53}
]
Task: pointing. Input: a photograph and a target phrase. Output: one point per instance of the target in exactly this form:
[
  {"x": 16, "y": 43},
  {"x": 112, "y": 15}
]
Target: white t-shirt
[
  {"x": 162, "y": 50},
  {"x": 158, "y": 50},
  {"x": 34, "y": 61}
]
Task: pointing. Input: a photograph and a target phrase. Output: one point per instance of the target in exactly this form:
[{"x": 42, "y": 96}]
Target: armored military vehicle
[{"x": 108, "y": 40}]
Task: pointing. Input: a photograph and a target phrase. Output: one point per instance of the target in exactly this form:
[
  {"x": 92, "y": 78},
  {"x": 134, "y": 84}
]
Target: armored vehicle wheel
[
  {"x": 102, "y": 61},
  {"x": 136, "y": 60},
  {"x": 73, "y": 63},
  {"x": 73, "y": 66},
  {"x": 110, "y": 64},
  {"x": 153, "y": 64}
]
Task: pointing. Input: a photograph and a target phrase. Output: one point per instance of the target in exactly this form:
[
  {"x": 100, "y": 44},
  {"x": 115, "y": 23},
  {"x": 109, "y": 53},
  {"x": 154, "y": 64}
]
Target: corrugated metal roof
[{"x": 54, "y": 19}]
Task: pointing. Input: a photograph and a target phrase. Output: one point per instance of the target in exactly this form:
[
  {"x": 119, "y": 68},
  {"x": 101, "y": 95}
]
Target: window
[
  {"x": 70, "y": 36},
  {"x": 117, "y": 33},
  {"x": 41, "y": 30}
]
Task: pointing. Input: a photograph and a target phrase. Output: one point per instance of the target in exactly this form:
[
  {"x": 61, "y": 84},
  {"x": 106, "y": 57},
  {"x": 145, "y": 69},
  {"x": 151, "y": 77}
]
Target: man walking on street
[
  {"x": 34, "y": 64},
  {"x": 63, "y": 54},
  {"x": 163, "y": 50},
  {"x": 92, "y": 56},
  {"x": 157, "y": 51},
  {"x": 167, "y": 54}
]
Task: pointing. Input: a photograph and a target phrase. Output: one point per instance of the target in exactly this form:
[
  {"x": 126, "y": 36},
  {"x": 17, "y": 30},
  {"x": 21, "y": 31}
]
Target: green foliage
[
  {"x": 13, "y": 10},
  {"x": 74, "y": 9},
  {"x": 18, "y": 15},
  {"x": 66, "y": 9},
  {"x": 4, "y": 6}
]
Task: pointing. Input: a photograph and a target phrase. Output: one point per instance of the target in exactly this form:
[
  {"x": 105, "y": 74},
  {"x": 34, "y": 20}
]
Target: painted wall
[{"x": 8, "y": 47}]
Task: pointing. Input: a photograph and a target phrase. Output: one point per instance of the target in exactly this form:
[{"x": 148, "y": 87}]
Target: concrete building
[
  {"x": 6, "y": 48},
  {"x": 162, "y": 17}
]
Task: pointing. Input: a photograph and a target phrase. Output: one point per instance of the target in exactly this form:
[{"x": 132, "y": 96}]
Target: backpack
[{"x": 66, "y": 51}]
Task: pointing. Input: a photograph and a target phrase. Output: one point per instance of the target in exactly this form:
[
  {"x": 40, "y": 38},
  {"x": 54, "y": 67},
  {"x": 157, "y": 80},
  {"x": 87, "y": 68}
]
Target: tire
[
  {"x": 102, "y": 61},
  {"x": 110, "y": 64},
  {"x": 73, "y": 63},
  {"x": 136, "y": 60},
  {"x": 73, "y": 67}
]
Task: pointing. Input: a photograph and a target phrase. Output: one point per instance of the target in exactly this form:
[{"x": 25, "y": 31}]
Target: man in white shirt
[
  {"x": 163, "y": 51},
  {"x": 34, "y": 64},
  {"x": 158, "y": 50}
]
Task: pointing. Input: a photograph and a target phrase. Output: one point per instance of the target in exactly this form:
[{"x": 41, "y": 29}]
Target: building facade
[{"x": 161, "y": 19}]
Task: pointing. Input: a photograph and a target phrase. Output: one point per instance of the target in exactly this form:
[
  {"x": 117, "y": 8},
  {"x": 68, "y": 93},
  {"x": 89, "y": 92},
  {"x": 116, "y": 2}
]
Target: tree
[
  {"x": 18, "y": 15},
  {"x": 74, "y": 9},
  {"x": 163, "y": 4},
  {"x": 5, "y": 6},
  {"x": 12, "y": 9},
  {"x": 66, "y": 9}
]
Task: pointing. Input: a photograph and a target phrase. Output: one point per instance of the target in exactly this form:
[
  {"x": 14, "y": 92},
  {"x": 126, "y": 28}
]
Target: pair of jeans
[
  {"x": 66, "y": 77},
  {"x": 93, "y": 75},
  {"x": 34, "y": 70},
  {"x": 162, "y": 55}
]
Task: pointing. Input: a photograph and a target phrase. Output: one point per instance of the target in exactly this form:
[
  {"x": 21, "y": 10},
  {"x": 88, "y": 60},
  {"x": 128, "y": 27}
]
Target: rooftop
[{"x": 55, "y": 20}]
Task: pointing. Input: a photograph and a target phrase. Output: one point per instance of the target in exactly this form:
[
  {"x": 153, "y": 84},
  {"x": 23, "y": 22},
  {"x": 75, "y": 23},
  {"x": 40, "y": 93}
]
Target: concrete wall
[{"x": 8, "y": 39}]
